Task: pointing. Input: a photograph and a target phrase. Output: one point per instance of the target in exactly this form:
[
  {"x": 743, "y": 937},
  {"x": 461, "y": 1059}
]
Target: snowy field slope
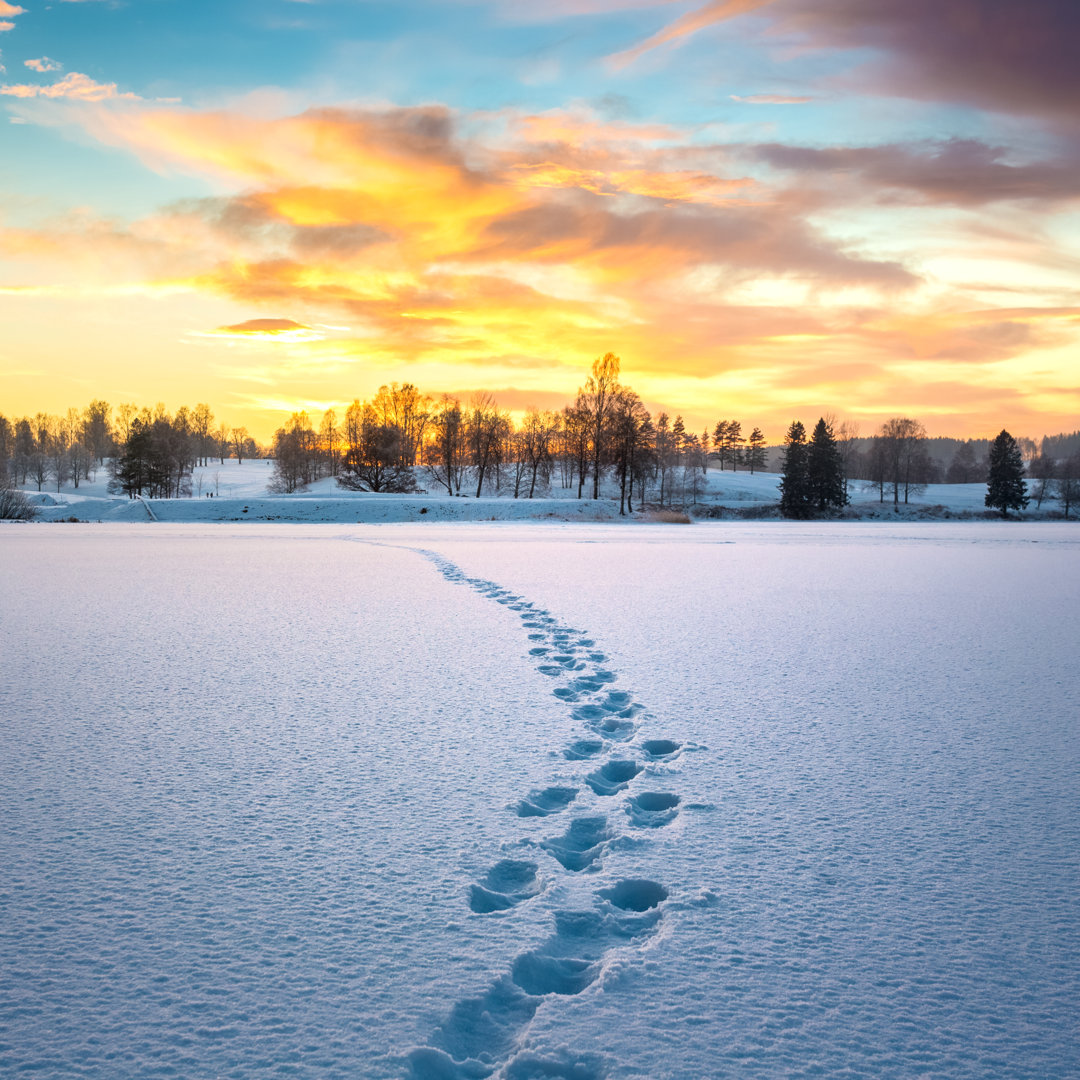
[
  {"x": 530, "y": 801},
  {"x": 240, "y": 494}
]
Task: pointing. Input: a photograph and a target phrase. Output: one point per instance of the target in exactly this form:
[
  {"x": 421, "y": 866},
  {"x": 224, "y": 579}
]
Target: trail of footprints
[{"x": 483, "y": 1036}]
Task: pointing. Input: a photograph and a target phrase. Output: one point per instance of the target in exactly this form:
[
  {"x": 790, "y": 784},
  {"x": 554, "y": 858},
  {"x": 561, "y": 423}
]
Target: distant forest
[{"x": 604, "y": 435}]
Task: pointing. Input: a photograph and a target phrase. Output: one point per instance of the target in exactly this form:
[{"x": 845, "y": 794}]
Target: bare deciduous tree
[
  {"x": 446, "y": 461},
  {"x": 595, "y": 404}
]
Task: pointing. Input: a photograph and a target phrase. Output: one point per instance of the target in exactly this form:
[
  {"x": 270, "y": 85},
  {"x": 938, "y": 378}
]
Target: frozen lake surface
[{"x": 526, "y": 801}]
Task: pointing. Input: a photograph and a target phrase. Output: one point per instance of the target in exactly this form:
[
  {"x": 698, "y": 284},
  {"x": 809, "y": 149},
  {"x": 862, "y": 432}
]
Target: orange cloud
[
  {"x": 263, "y": 326},
  {"x": 75, "y": 87},
  {"x": 690, "y": 23},
  {"x": 544, "y": 242}
]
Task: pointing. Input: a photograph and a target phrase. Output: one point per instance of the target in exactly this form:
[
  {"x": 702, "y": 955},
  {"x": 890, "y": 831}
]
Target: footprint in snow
[
  {"x": 613, "y": 776},
  {"x": 661, "y": 749},
  {"x": 508, "y": 883},
  {"x": 652, "y": 809},
  {"x": 549, "y": 801},
  {"x": 582, "y": 749},
  {"x": 483, "y": 1033},
  {"x": 580, "y": 847}
]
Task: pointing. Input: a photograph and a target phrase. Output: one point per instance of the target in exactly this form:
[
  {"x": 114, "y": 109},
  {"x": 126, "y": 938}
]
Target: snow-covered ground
[
  {"x": 580, "y": 801},
  {"x": 240, "y": 494}
]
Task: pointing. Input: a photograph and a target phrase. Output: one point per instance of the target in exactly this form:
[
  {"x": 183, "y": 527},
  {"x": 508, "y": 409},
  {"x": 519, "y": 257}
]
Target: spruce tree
[
  {"x": 825, "y": 470},
  {"x": 720, "y": 441},
  {"x": 1005, "y": 487},
  {"x": 755, "y": 451},
  {"x": 794, "y": 485},
  {"x": 734, "y": 440}
]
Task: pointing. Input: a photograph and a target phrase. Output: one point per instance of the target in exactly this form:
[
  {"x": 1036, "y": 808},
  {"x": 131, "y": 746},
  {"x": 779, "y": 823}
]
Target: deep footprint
[
  {"x": 613, "y": 728},
  {"x": 613, "y": 776},
  {"x": 660, "y": 748},
  {"x": 652, "y": 809},
  {"x": 581, "y": 845},
  {"x": 539, "y": 974},
  {"x": 480, "y": 1029},
  {"x": 635, "y": 894},
  {"x": 549, "y": 801},
  {"x": 507, "y": 883},
  {"x": 582, "y": 749}
]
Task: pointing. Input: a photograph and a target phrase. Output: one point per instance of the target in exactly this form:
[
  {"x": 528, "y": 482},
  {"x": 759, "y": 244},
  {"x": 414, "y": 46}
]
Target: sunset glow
[{"x": 766, "y": 209}]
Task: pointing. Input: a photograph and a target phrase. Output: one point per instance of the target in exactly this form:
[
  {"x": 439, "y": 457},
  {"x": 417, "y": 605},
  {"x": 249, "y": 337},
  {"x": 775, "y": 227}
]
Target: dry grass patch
[{"x": 666, "y": 517}]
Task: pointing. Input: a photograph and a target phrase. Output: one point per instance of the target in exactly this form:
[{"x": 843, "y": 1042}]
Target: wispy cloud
[
  {"x": 715, "y": 12},
  {"x": 43, "y": 64},
  {"x": 962, "y": 172},
  {"x": 263, "y": 331},
  {"x": 74, "y": 86},
  {"x": 770, "y": 99},
  {"x": 1010, "y": 58}
]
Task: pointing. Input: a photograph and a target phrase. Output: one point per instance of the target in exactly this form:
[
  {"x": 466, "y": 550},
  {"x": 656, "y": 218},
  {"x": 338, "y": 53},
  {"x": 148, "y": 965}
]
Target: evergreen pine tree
[
  {"x": 734, "y": 440},
  {"x": 825, "y": 470},
  {"x": 1005, "y": 487},
  {"x": 720, "y": 441},
  {"x": 794, "y": 486},
  {"x": 131, "y": 468},
  {"x": 755, "y": 452}
]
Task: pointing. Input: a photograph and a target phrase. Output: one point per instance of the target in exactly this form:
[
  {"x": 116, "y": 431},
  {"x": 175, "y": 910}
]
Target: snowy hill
[{"x": 236, "y": 491}]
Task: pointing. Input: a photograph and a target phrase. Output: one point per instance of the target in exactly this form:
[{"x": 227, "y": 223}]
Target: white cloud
[
  {"x": 75, "y": 86},
  {"x": 43, "y": 64}
]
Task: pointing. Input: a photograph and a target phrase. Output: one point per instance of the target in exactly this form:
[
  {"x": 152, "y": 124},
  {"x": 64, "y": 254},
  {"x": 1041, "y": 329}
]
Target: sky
[{"x": 768, "y": 209}]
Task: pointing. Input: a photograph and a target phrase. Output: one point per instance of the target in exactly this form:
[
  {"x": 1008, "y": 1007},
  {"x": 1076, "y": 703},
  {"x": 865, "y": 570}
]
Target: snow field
[
  {"x": 241, "y": 495},
  {"x": 540, "y": 801}
]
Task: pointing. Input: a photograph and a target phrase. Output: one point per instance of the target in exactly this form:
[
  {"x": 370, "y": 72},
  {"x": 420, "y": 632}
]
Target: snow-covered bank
[
  {"x": 240, "y": 494},
  {"x": 523, "y": 800}
]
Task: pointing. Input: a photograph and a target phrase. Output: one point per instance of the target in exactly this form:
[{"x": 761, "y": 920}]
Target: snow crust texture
[{"x": 525, "y": 802}]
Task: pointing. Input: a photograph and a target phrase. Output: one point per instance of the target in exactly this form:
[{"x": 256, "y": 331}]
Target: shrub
[{"x": 15, "y": 506}]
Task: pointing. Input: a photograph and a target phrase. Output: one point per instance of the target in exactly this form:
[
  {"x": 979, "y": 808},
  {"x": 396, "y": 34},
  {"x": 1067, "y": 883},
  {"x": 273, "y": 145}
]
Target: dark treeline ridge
[
  {"x": 900, "y": 460},
  {"x": 148, "y": 451},
  {"x": 472, "y": 448},
  {"x": 604, "y": 435},
  {"x": 816, "y": 474}
]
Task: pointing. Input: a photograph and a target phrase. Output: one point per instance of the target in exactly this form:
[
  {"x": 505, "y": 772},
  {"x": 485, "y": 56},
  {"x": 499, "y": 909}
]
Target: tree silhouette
[
  {"x": 794, "y": 481},
  {"x": 825, "y": 471},
  {"x": 1005, "y": 487}
]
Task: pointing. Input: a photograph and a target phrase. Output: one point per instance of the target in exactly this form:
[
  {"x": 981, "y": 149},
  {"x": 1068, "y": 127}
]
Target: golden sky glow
[{"x": 739, "y": 265}]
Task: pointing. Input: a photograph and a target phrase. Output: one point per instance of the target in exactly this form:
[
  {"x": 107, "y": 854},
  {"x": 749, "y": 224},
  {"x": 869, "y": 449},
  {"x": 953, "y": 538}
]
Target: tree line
[
  {"x": 605, "y": 434},
  {"x": 148, "y": 451},
  {"x": 815, "y": 474},
  {"x": 473, "y": 447}
]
